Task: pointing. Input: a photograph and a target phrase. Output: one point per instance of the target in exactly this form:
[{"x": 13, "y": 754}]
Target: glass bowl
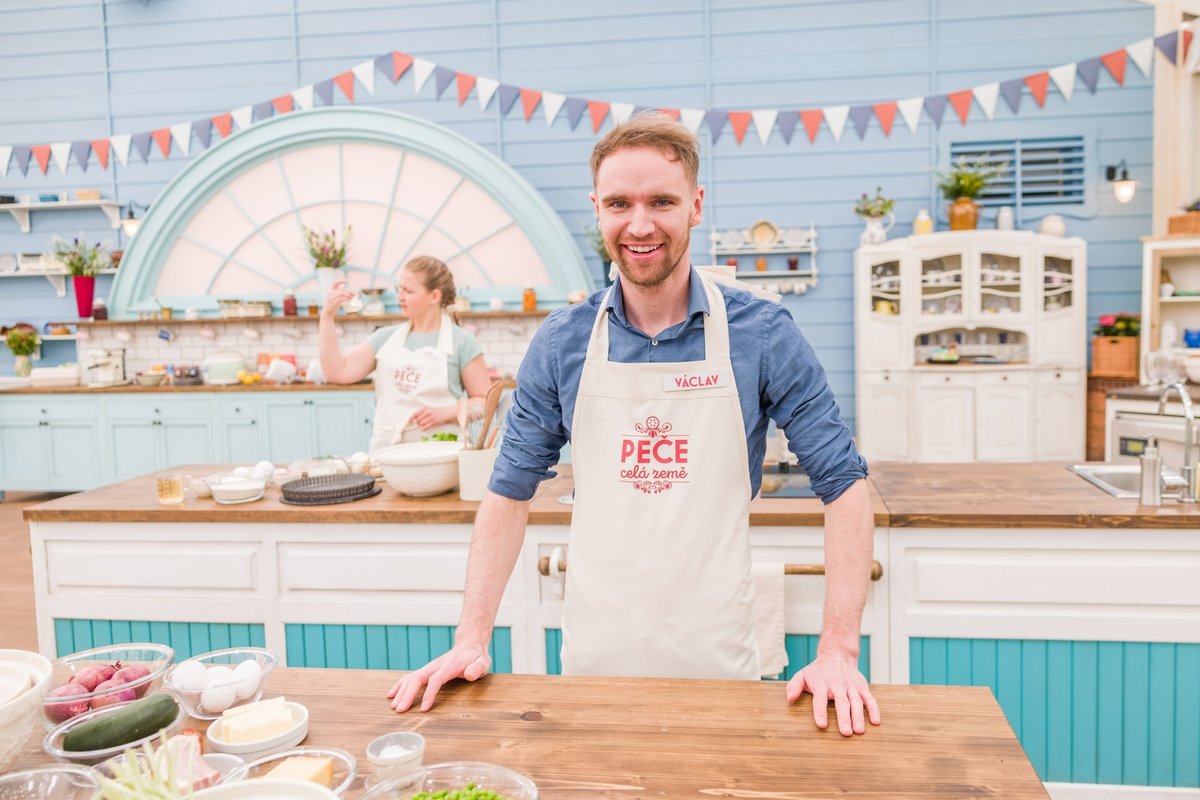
[
  {"x": 59, "y": 782},
  {"x": 210, "y": 702},
  {"x": 19, "y": 714},
  {"x": 154, "y": 658},
  {"x": 52, "y": 744},
  {"x": 455, "y": 775},
  {"x": 345, "y": 767}
]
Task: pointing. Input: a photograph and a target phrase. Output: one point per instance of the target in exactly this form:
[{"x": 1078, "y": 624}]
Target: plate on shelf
[
  {"x": 732, "y": 238},
  {"x": 8, "y": 262},
  {"x": 796, "y": 236},
  {"x": 763, "y": 233}
]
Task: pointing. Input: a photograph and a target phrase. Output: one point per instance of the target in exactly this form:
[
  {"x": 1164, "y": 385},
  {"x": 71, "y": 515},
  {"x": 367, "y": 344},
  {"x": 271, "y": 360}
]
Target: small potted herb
[
  {"x": 962, "y": 183},
  {"x": 873, "y": 210},
  {"x": 23, "y": 342},
  {"x": 328, "y": 255},
  {"x": 82, "y": 261}
]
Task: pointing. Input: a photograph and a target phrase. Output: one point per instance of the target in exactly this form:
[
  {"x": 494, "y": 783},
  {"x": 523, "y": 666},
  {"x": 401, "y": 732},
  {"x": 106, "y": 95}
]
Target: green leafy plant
[
  {"x": 967, "y": 178},
  {"x": 1119, "y": 325},
  {"x": 22, "y": 341},
  {"x": 324, "y": 248},
  {"x": 595, "y": 241},
  {"x": 441, "y": 437},
  {"x": 80, "y": 258},
  {"x": 1193, "y": 206},
  {"x": 877, "y": 206}
]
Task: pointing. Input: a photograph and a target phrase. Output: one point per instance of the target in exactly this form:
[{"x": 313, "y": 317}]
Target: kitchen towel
[{"x": 768, "y": 618}]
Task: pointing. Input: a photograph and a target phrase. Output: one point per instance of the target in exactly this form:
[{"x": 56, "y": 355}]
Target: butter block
[
  {"x": 274, "y": 702},
  {"x": 305, "y": 768},
  {"x": 257, "y": 723}
]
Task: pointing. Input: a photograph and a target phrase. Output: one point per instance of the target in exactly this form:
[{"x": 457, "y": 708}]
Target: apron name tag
[{"x": 687, "y": 381}]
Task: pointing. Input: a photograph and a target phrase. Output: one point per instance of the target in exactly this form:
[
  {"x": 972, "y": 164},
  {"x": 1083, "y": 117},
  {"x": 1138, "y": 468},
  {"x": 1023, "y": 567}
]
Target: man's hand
[
  {"x": 462, "y": 661},
  {"x": 836, "y": 677}
]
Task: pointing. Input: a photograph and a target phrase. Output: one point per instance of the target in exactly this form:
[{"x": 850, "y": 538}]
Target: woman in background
[{"x": 422, "y": 366}]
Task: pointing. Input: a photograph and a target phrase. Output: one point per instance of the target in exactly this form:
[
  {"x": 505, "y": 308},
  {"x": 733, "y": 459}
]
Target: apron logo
[
  {"x": 654, "y": 459},
  {"x": 686, "y": 380},
  {"x": 407, "y": 379}
]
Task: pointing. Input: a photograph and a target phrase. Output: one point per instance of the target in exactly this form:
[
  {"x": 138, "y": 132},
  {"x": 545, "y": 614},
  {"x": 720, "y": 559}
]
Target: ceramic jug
[{"x": 875, "y": 232}]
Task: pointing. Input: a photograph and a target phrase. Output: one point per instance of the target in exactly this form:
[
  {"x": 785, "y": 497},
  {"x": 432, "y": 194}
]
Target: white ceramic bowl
[
  {"x": 231, "y": 489},
  {"x": 252, "y": 750},
  {"x": 420, "y": 469},
  {"x": 258, "y": 790},
  {"x": 1191, "y": 365},
  {"x": 503, "y": 781},
  {"x": 59, "y": 782},
  {"x": 52, "y": 744},
  {"x": 345, "y": 766},
  {"x": 155, "y": 657},
  {"x": 245, "y": 691},
  {"x": 19, "y": 715}
]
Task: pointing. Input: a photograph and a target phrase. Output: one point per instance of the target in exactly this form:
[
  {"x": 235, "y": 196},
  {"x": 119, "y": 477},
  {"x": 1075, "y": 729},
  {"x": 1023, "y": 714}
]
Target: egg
[
  {"x": 216, "y": 699},
  {"x": 264, "y": 468},
  {"x": 246, "y": 675},
  {"x": 242, "y": 472},
  {"x": 219, "y": 675},
  {"x": 190, "y": 676}
]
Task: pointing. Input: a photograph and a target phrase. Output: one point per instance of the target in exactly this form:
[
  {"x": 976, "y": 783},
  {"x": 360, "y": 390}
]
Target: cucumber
[{"x": 139, "y": 719}]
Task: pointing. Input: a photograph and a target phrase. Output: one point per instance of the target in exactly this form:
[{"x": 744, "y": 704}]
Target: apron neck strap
[
  {"x": 716, "y": 327},
  {"x": 445, "y": 341}
]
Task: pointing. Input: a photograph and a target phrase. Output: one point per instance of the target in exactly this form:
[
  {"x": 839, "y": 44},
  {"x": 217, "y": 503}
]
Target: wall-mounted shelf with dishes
[
  {"x": 30, "y": 265},
  {"x": 776, "y": 254},
  {"x": 20, "y": 211}
]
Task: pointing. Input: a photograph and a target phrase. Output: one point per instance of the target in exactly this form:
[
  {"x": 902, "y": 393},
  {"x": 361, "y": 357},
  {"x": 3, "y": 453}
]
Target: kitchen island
[{"x": 1079, "y": 610}]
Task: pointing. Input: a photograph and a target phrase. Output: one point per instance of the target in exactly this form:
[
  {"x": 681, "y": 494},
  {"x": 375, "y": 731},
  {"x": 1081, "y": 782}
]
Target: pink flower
[{"x": 1108, "y": 319}]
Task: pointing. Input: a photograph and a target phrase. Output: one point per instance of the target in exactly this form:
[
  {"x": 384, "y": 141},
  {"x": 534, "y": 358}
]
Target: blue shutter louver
[{"x": 1036, "y": 172}]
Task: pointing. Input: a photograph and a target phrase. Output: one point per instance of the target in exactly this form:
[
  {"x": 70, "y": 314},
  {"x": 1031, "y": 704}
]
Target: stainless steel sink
[{"x": 1119, "y": 480}]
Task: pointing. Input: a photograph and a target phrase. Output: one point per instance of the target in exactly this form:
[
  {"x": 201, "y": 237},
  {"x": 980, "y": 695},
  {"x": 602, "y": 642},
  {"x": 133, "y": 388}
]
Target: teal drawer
[
  {"x": 187, "y": 639},
  {"x": 400, "y": 647}
]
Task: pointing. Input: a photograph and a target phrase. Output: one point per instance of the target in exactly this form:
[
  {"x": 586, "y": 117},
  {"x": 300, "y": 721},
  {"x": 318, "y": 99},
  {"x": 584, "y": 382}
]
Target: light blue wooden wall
[{"x": 87, "y": 68}]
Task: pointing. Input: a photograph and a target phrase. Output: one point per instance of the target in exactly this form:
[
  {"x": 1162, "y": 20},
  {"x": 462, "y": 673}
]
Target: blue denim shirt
[{"x": 777, "y": 374}]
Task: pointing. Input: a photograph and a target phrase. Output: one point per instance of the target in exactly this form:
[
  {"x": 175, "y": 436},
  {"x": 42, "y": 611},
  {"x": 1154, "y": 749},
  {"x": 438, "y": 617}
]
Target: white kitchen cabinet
[
  {"x": 1003, "y": 412},
  {"x": 945, "y": 419},
  {"x": 1174, "y": 260},
  {"x": 1058, "y": 430},
  {"x": 884, "y": 415}
]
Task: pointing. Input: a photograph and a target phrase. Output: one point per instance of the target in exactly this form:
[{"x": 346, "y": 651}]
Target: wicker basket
[
  {"x": 1187, "y": 224},
  {"x": 1115, "y": 356}
]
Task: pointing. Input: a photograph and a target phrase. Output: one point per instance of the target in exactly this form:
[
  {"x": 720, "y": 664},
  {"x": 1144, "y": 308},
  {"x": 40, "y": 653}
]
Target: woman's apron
[{"x": 408, "y": 380}]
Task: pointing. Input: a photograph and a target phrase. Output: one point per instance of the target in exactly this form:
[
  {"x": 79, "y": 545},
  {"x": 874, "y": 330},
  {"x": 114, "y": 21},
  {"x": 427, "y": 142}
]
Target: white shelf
[
  {"x": 1184, "y": 299},
  {"x": 58, "y": 337},
  {"x": 58, "y": 278},
  {"x": 20, "y": 211}
]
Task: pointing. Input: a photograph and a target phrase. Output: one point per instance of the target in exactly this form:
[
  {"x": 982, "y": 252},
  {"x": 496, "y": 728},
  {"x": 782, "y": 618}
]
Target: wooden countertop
[
  {"x": 206, "y": 388},
  {"x": 1152, "y": 393},
  {"x": 642, "y": 738}
]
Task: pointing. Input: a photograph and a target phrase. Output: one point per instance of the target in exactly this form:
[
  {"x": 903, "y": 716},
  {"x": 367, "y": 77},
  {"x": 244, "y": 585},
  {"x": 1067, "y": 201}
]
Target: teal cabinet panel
[
  {"x": 22, "y": 454},
  {"x": 49, "y": 443},
  {"x": 148, "y": 434},
  {"x": 132, "y": 447},
  {"x": 1085, "y": 712},
  {"x": 337, "y": 426},
  {"x": 239, "y": 436},
  {"x": 187, "y": 639},
  {"x": 401, "y": 647},
  {"x": 75, "y": 452},
  {"x": 187, "y": 442},
  {"x": 288, "y": 423}
]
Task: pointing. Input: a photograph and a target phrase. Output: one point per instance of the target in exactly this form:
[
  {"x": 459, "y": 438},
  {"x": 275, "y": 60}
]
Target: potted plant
[
  {"x": 595, "y": 240},
  {"x": 82, "y": 260},
  {"x": 1187, "y": 223},
  {"x": 328, "y": 255},
  {"x": 961, "y": 184},
  {"x": 873, "y": 210},
  {"x": 23, "y": 342},
  {"x": 1115, "y": 346}
]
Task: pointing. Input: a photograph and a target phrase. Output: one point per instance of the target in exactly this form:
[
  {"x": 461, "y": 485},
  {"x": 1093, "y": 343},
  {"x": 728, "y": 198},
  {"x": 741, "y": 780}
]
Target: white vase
[
  {"x": 875, "y": 232},
  {"x": 326, "y": 278}
]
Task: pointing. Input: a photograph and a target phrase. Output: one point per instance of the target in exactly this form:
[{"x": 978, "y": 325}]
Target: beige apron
[
  {"x": 407, "y": 380},
  {"x": 659, "y": 583}
]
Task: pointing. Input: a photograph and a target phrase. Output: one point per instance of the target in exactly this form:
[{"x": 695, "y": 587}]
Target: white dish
[
  {"x": 253, "y": 750},
  {"x": 224, "y": 763},
  {"x": 231, "y": 489},
  {"x": 14, "y": 681},
  {"x": 266, "y": 790},
  {"x": 345, "y": 766}
]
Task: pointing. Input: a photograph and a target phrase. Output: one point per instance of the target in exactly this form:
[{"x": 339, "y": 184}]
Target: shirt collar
[{"x": 697, "y": 299}]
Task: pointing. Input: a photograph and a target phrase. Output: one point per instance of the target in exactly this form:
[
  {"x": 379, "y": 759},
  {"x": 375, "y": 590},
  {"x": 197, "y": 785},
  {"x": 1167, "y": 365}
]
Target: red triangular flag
[
  {"x": 1115, "y": 61},
  {"x": 465, "y": 84},
  {"x": 529, "y": 101},
  {"x": 223, "y": 123},
  {"x": 345, "y": 82},
  {"x": 886, "y": 114},
  {"x": 42, "y": 153},
  {"x": 962, "y": 103},
  {"x": 673, "y": 113},
  {"x": 100, "y": 148},
  {"x": 162, "y": 137},
  {"x": 283, "y": 103},
  {"x": 599, "y": 111},
  {"x": 1187, "y": 42},
  {"x": 400, "y": 64},
  {"x": 1038, "y": 84},
  {"x": 812, "y": 122},
  {"x": 740, "y": 120}
]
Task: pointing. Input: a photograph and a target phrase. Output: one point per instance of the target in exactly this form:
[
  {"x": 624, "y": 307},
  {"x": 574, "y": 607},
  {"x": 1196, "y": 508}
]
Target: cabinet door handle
[
  {"x": 947, "y": 379},
  {"x": 887, "y": 378},
  {"x": 253, "y": 422},
  {"x": 1004, "y": 377},
  {"x": 237, "y": 410},
  {"x": 1057, "y": 375},
  {"x": 156, "y": 411}
]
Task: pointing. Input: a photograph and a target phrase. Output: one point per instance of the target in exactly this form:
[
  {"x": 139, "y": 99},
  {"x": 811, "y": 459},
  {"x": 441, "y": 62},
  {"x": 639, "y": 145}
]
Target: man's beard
[{"x": 656, "y": 277}]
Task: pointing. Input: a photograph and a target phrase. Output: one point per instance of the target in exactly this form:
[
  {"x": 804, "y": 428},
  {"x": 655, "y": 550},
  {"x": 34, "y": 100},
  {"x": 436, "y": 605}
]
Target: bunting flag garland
[{"x": 1174, "y": 46}]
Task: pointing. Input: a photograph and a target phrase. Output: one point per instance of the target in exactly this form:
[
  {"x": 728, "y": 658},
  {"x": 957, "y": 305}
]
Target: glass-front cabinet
[
  {"x": 941, "y": 285},
  {"x": 1001, "y": 284},
  {"x": 881, "y": 297}
]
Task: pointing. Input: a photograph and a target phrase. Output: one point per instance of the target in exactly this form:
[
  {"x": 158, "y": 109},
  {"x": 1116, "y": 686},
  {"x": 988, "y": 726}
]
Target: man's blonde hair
[{"x": 651, "y": 129}]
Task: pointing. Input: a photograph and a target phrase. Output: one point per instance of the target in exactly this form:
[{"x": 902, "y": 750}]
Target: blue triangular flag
[
  {"x": 640, "y": 110},
  {"x": 935, "y": 107},
  {"x": 508, "y": 96},
  {"x": 324, "y": 90},
  {"x": 1169, "y": 44},
  {"x": 442, "y": 77},
  {"x": 575, "y": 107},
  {"x": 263, "y": 110},
  {"x": 1012, "y": 93},
  {"x": 1089, "y": 70},
  {"x": 787, "y": 124},
  {"x": 141, "y": 143},
  {"x": 861, "y": 117},
  {"x": 384, "y": 65},
  {"x": 716, "y": 121},
  {"x": 203, "y": 130},
  {"x": 22, "y": 153},
  {"x": 81, "y": 151}
]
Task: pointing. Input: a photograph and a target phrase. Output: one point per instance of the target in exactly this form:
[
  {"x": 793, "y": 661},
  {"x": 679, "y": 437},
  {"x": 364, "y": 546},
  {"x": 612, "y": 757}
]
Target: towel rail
[{"x": 788, "y": 569}]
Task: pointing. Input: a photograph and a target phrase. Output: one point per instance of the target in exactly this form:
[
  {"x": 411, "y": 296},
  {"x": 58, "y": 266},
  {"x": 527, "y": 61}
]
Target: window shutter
[{"x": 1036, "y": 172}]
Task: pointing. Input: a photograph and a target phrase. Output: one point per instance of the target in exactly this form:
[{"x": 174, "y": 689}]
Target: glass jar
[
  {"x": 99, "y": 309},
  {"x": 529, "y": 299},
  {"x": 289, "y": 304},
  {"x": 760, "y": 264}
]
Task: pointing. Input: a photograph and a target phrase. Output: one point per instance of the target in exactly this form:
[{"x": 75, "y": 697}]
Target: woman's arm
[
  {"x": 337, "y": 367},
  {"x": 475, "y": 378}
]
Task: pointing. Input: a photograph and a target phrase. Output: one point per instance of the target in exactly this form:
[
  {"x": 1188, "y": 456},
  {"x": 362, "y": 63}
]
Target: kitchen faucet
[{"x": 1188, "y": 492}]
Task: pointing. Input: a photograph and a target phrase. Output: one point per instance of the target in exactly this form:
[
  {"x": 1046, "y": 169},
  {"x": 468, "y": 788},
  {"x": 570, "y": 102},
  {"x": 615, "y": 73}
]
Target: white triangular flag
[
  {"x": 365, "y": 72},
  {"x": 1142, "y": 54},
  {"x": 986, "y": 96},
  {"x": 182, "y": 134},
  {"x": 692, "y": 118},
  {"x": 303, "y": 97},
  {"x": 552, "y": 103},
  {"x": 910, "y": 109},
  {"x": 120, "y": 147},
  {"x": 243, "y": 116},
  {"x": 422, "y": 69},
  {"x": 1193, "y": 60},
  {"x": 485, "y": 88},
  {"x": 5, "y": 155},
  {"x": 1064, "y": 79},
  {"x": 764, "y": 122},
  {"x": 621, "y": 112},
  {"x": 835, "y": 117},
  {"x": 61, "y": 152}
]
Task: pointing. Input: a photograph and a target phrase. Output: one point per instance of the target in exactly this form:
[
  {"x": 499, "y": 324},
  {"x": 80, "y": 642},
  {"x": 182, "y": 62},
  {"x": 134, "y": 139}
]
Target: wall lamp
[
  {"x": 130, "y": 223},
  {"x": 1123, "y": 187}
]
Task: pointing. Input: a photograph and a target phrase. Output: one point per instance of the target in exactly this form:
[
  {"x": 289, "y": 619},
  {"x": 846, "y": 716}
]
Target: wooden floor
[{"x": 17, "y": 627}]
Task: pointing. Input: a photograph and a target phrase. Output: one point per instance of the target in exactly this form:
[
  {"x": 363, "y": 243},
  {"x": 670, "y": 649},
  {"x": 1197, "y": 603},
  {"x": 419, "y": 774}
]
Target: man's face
[{"x": 646, "y": 208}]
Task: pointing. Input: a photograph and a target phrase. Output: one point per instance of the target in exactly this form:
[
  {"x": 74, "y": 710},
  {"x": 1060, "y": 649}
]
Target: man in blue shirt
[{"x": 665, "y": 385}]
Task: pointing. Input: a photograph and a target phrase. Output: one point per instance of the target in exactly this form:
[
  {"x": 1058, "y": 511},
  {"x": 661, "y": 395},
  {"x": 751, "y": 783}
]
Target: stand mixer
[{"x": 105, "y": 368}]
